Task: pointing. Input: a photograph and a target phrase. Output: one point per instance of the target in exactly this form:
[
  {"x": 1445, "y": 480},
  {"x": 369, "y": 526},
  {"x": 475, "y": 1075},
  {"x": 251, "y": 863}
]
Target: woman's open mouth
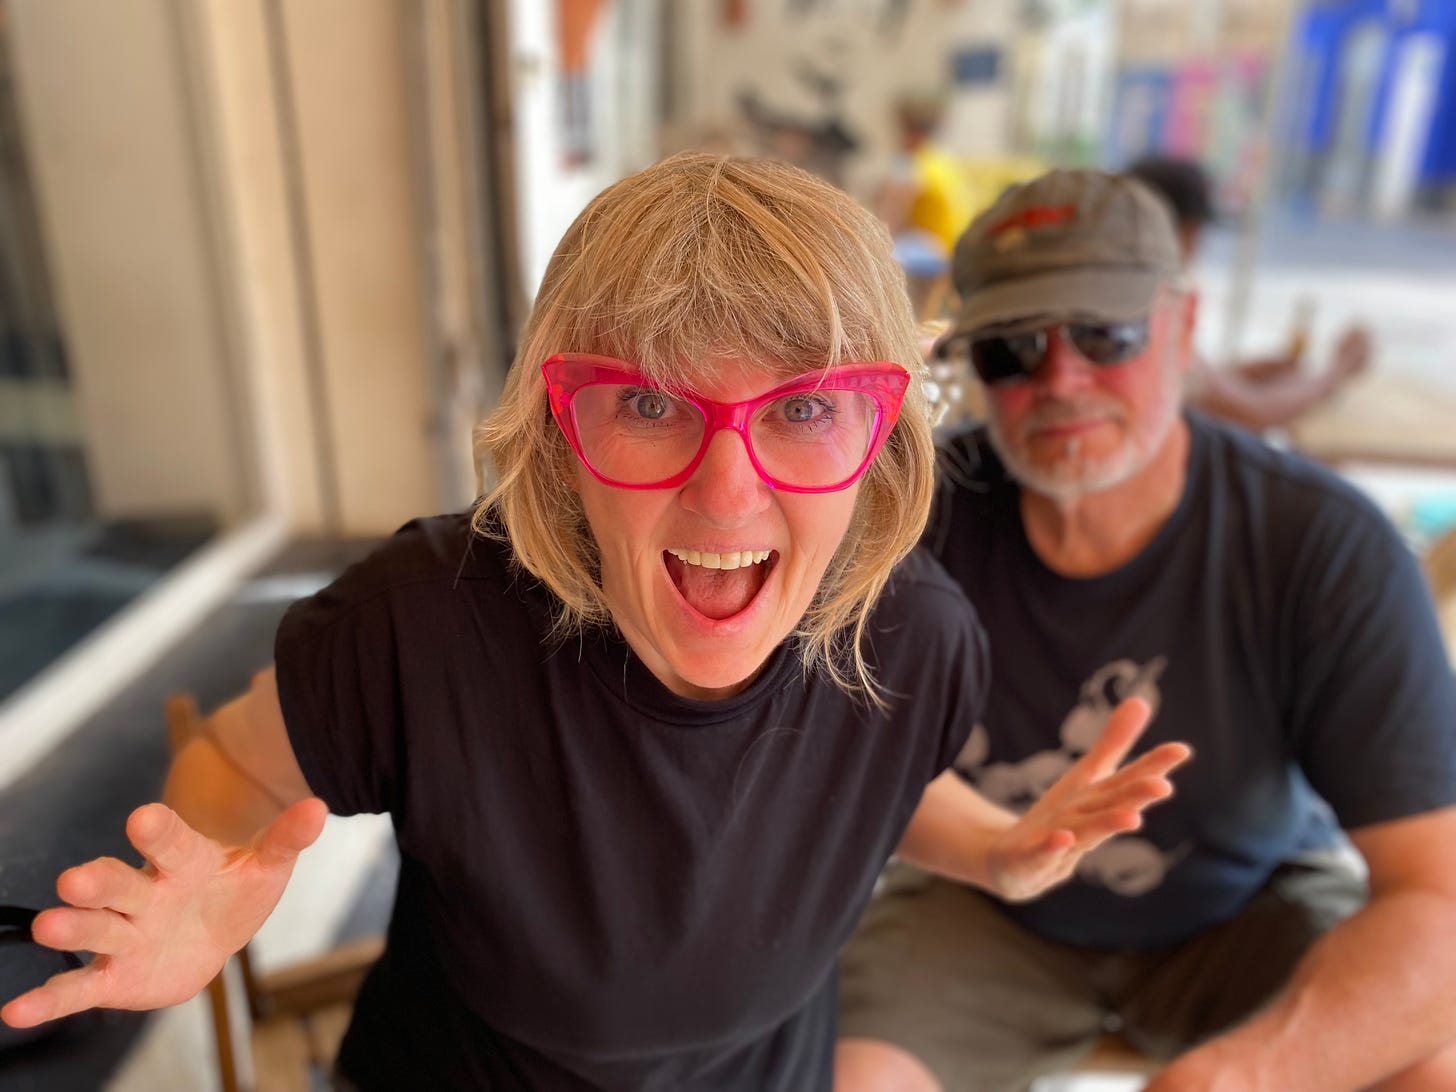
[{"x": 718, "y": 586}]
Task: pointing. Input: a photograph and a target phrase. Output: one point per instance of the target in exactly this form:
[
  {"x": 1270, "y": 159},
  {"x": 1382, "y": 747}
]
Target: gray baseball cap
[{"x": 1070, "y": 244}]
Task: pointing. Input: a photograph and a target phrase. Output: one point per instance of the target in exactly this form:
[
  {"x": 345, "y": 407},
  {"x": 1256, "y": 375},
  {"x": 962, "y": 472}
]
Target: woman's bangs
[{"x": 687, "y": 339}]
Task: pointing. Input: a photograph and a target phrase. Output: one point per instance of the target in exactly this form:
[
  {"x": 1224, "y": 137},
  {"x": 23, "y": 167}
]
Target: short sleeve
[
  {"x": 1373, "y": 710},
  {"x": 970, "y": 675},
  {"x": 338, "y": 685},
  {"x": 930, "y": 646}
]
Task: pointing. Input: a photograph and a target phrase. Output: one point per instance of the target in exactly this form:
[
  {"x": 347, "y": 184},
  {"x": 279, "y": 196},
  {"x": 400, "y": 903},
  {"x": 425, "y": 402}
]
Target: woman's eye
[
  {"x": 650, "y": 405},
  {"x": 800, "y": 410}
]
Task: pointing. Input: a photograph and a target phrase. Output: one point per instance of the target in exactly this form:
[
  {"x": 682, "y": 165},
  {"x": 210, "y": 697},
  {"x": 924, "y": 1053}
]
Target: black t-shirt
[
  {"x": 605, "y": 885},
  {"x": 1276, "y": 622}
]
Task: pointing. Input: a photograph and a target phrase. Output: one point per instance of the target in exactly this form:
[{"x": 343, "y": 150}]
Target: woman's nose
[{"x": 725, "y": 489}]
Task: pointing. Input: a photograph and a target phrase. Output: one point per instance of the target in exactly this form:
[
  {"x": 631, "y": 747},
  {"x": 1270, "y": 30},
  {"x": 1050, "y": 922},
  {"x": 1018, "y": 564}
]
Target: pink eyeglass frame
[{"x": 885, "y": 382}]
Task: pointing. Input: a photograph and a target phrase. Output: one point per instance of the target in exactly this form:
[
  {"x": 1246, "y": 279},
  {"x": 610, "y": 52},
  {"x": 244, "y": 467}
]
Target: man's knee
[{"x": 873, "y": 1065}]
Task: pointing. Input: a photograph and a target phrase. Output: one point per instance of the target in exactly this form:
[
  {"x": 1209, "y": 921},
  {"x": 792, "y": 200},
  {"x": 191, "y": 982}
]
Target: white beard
[{"x": 1074, "y": 476}]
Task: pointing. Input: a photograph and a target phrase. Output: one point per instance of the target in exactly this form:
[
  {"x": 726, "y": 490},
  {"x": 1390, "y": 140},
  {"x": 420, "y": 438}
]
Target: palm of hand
[
  {"x": 161, "y": 932},
  {"x": 196, "y": 918},
  {"x": 1090, "y": 803}
]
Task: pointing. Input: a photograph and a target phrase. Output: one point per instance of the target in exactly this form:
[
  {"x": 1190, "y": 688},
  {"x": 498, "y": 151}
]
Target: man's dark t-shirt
[
  {"x": 605, "y": 885},
  {"x": 1276, "y": 622}
]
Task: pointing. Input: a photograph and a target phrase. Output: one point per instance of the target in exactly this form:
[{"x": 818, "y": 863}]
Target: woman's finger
[
  {"x": 106, "y": 883},
  {"x": 1096, "y": 829},
  {"x": 68, "y": 929},
  {"x": 1139, "y": 794},
  {"x": 1162, "y": 759},
  {"x": 297, "y": 828},
  {"x": 1123, "y": 728},
  {"x": 161, "y": 836},
  {"x": 73, "y": 991},
  {"x": 1157, "y": 764}
]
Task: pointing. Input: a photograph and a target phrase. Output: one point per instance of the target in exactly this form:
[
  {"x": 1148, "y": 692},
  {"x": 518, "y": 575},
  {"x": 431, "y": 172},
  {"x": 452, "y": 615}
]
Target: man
[
  {"x": 1258, "y": 394},
  {"x": 1117, "y": 546}
]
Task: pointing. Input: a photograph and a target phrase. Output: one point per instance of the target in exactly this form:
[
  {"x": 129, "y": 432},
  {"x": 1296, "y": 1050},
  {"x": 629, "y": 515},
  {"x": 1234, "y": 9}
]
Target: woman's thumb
[{"x": 295, "y": 829}]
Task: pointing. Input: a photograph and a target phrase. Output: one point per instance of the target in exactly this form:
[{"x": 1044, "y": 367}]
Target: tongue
[{"x": 716, "y": 593}]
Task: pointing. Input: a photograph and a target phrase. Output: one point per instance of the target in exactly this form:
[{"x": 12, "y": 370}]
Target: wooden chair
[
  {"x": 1114, "y": 1054},
  {"x": 1439, "y": 563},
  {"x": 296, "y": 1014}
]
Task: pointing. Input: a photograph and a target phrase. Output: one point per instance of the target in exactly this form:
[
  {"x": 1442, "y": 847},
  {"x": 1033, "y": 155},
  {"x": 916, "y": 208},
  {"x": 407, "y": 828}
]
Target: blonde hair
[{"x": 698, "y": 260}]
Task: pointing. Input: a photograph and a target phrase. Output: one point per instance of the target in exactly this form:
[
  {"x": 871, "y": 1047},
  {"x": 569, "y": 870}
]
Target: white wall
[
  {"x": 193, "y": 314},
  {"x": 105, "y": 98},
  {"x": 233, "y": 43},
  {"x": 346, "y": 58}
]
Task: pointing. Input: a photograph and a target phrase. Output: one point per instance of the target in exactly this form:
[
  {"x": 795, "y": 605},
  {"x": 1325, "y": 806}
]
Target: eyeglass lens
[
  {"x": 637, "y": 435},
  {"x": 1002, "y": 357}
]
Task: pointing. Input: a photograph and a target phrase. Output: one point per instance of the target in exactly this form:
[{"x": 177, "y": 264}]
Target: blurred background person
[
  {"x": 924, "y": 203},
  {"x": 1271, "y": 391}
]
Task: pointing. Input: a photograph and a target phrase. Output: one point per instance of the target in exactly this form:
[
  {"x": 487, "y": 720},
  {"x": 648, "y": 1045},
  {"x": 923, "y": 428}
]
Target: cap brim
[{"x": 1112, "y": 295}]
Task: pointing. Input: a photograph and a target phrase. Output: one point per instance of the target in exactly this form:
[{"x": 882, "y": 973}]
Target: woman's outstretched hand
[
  {"x": 163, "y": 931},
  {"x": 1090, "y": 803}
]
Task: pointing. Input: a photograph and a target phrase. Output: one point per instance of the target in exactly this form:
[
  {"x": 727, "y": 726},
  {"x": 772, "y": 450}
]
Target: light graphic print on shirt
[{"x": 1126, "y": 865}]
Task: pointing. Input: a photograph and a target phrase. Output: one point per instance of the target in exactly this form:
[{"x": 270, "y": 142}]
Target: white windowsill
[{"x": 42, "y": 713}]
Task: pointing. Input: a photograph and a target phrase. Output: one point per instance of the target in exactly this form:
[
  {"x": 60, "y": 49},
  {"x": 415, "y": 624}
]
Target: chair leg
[
  {"x": 227, "y": 1062},
  {"x": 183, "y": 719},
  {"x": 258, "y": 1006}
]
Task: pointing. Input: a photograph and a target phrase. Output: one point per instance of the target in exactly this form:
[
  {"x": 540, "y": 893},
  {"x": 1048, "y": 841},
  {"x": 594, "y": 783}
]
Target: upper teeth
[{"x": 731, "y": 560}]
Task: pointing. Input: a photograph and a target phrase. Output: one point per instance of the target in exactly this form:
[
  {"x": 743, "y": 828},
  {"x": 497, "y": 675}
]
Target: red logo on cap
[{"x": 1035, "y": 217}]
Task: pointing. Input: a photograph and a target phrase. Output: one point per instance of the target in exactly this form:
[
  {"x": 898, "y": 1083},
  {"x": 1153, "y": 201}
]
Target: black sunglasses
[{"x": 1003, "y": 358}]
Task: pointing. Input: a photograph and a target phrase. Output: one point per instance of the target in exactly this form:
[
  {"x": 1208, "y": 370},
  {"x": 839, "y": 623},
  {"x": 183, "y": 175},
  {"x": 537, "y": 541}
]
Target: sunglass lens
[
  {"x": 1109, "y": 343},
  {"x": 998, "y": 359}
]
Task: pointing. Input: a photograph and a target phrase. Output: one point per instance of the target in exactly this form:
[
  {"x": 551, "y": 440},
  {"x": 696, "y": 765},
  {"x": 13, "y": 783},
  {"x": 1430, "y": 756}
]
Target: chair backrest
[
  {"x": 184, "y": 723},
  {"x": 1439, "y": 563},
  {"x": 297, "y": 1012}
]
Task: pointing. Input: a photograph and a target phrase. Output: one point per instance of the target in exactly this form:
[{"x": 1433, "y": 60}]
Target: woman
[{"x": 644, "y": 741}]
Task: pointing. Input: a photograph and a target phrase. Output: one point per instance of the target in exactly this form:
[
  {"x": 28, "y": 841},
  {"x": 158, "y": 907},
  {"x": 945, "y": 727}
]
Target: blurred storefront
[
  {"x": 1359, "y": 96},
  {"x": 1372, "y": 117},
  {"x": 1195, "y": 81},
  {"x": 1065, "y": 78}
]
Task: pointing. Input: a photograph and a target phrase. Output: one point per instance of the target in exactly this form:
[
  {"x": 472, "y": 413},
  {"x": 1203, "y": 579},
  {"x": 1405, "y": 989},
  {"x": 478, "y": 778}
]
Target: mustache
[{"x": 1058, "y": 412}]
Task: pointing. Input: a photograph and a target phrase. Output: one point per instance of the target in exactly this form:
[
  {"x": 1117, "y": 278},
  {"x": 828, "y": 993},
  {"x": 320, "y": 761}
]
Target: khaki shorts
[{"x": 938, "y": 970}]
